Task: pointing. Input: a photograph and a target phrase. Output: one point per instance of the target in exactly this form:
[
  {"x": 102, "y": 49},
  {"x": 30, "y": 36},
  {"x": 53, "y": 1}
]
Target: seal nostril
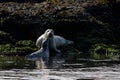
[{"x": 50, "y": 34}]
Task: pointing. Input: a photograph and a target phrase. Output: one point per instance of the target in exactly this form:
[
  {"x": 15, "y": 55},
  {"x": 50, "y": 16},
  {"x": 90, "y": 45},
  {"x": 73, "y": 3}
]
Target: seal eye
[{"x": 47, "y": 31}]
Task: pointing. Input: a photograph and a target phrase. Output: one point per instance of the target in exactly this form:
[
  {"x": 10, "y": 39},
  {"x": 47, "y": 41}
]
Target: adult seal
[{"x": 54, "y": 40}]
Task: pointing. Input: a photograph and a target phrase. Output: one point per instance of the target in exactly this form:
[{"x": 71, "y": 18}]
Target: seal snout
[{"x": 51, "y": 34}]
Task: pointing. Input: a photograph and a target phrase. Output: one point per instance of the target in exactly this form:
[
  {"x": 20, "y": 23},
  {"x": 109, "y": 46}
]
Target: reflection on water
[
  {"x": 40, "y": 64},
  {"x": 57, "y": 62},
  {"x": 9, "y": 62},
  {"x": 18, "y": 68},
  {"x": 20, "y": 62}
]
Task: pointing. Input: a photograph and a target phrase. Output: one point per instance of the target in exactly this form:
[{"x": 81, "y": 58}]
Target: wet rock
[{"x": 103, "y": 51}]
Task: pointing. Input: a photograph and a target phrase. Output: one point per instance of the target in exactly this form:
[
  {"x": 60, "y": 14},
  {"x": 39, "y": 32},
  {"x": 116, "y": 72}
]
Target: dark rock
[
  {"x": 21, "y": 1},
  {"x": 86, "y": 23}
]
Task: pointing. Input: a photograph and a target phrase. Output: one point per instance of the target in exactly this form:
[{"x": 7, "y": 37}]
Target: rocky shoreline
[{"x": 88, "y": 24}]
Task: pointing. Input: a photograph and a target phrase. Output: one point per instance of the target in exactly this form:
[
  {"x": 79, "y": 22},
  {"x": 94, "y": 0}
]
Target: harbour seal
[
  {"x": 54, "y": 40},
  {"x": 42, "y": 53}
]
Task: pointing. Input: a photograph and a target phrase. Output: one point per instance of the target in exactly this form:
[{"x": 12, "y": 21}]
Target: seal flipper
[{"x": 42, "y": 53}]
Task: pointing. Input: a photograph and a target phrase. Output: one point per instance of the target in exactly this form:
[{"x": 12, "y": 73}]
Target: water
[{"x": 18, "y": 68}]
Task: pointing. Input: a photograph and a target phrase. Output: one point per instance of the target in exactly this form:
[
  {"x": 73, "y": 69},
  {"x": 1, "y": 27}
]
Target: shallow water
[{"x": 18, "y": 68}]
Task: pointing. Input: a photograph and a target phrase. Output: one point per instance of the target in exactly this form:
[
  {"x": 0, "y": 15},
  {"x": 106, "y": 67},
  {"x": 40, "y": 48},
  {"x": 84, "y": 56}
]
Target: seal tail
[{"x": 34, "y": 55}]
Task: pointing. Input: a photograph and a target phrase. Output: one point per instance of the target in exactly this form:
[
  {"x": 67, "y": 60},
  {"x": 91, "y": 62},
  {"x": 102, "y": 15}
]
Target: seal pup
[{"x": 54, "y": 40}]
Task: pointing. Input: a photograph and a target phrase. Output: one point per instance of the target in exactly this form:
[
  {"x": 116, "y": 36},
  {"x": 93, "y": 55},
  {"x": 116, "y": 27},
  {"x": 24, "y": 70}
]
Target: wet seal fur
[
  {"x": 42, "y": 53},
  {"x": 54, "y": 40}
]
